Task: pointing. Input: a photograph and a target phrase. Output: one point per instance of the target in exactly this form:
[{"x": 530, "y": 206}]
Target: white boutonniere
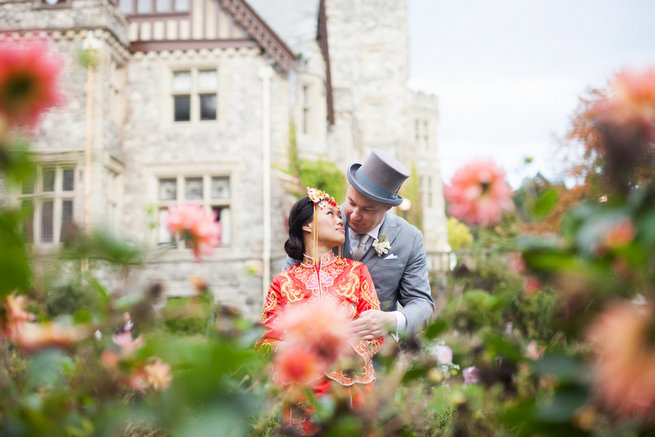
[{"x": 382, "y": 245}]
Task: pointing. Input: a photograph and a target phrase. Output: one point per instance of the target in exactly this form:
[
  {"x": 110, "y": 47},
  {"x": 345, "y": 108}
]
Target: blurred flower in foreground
[
  {"x": 158, "y": 374},
  {"x": 320, "y": 326},
  {"x": 622, "y": 338},
  {"x": 471, "y": 375},
  {"x": 478, "y": 193},
  {"x": 295, "y": 364},
  {"x": 155, "y": 375},
  {"x": 28, "y": 81},
  {"x": 30, "y": 336},
  {"x": 313, "y": 336},
  {"x": 444, "y": 354},
  {"x": 198, "y": 228},
  {"x": 128, "y": 345},
  {"x": 632, "y": 101},
  {"x": 619, "y": 235}
]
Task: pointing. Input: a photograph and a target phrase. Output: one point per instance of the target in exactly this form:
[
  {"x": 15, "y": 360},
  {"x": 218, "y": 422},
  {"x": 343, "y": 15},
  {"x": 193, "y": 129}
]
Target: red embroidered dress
[{"x": 346, "y": 279}]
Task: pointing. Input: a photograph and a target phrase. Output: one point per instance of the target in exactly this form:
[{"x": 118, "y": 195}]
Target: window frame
[
  {"x": 180, "y": 173},
  {"x": 195, "y": 92},
  {"x": 58, "y": 195}
]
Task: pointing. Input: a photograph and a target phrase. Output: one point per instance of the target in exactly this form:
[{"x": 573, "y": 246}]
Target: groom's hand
[{"x": 374, "y": 324}]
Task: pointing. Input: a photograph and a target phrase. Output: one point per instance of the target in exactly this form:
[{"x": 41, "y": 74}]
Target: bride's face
[{"x": 331, "y": 231}]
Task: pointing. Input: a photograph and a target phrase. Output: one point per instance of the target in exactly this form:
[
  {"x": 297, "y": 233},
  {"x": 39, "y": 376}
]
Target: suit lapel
[{"x": 390, "y": 228}]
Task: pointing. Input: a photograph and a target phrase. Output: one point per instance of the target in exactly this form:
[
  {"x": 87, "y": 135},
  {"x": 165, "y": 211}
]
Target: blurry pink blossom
[
  {"x": 632, "y": 101},
  {"x": 28, "y": 81},
  {"x": 444, "y": 354},
  {"x": 471, "y": 375},
  {"x": 321, "y": 327},
  {"x": 478, "y": 193},
  {"x": 198, "y": 228},
  {"x": 531, "y": 285},
  {"x": 157, "y": 374},
  {"x": 625, "y": 359},
  {"x": 128, "y": 345},
  {"x": 294, "y": 364}
]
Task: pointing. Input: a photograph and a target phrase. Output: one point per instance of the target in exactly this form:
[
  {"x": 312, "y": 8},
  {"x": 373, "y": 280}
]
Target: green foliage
[
  {"x": 325, "y": 176},
  {"x": 320, "y": 174},
  {"x": 459, "y": 235},
  {"x": 411, "y": 191}
]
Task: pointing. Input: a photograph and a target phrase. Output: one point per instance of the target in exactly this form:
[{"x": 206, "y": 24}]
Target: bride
[{"x": 315, "y": 229}]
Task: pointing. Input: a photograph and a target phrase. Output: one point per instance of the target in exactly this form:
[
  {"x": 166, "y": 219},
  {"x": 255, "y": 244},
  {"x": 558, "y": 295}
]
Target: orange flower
[
  {"x": 321, "y": 327},
  {"x": 15, "y": 309},
  {"x": 625, "y": 359},
  {"x": 32, "y": 336},
  {"x": 157, "y": 374},
  {"x": 196, "y": 227},
  {"x": 294, "y": 364},
  {"x": 620, "y": 234},
  {"x": 478, "y": 193},
  {"x": 28, "y": 81}
]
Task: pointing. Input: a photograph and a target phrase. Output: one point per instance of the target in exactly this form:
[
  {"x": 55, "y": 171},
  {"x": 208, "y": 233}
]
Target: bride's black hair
[{"x": 302, "y": 212}]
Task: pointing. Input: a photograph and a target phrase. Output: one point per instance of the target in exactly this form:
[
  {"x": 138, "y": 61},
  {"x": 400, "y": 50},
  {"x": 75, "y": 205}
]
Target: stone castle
[{"x": 196, "y": 101}]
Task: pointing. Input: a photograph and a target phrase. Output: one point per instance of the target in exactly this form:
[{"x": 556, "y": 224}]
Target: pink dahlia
[
  {"x": 294, "y": 364},
  {"x": 28, "y": 81},
  {"x": 478, "y": 193},
  {"x": 198, "y": 228},
  {"x": 321, "y": 327},
  {"x": 625, "y": 359},
  {"x": 632, "y": 100}
]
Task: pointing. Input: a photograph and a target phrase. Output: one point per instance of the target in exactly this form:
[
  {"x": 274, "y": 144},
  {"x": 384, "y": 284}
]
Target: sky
[{"x": 508, "y": 74}]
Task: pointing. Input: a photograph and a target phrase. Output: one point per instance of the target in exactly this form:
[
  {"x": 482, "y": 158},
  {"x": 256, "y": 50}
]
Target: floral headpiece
[{"x": 317, "y": 196}]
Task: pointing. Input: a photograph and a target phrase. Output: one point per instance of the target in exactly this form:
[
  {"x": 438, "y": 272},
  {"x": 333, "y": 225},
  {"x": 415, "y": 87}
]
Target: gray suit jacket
[{"x": 400, "y": 276}]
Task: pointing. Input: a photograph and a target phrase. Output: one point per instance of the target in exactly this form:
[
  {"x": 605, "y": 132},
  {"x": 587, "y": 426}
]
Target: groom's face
[{"x": 362, "y": 213}]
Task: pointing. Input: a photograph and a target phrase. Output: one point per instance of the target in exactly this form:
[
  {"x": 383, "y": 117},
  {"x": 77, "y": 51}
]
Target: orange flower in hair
[{"x": 317, "y": 196}]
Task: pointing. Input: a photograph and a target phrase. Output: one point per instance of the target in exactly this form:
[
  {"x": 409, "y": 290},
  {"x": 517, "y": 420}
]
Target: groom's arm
[
  {"x": 414, "y": 291},
  {"x": 290, "y": 262}
]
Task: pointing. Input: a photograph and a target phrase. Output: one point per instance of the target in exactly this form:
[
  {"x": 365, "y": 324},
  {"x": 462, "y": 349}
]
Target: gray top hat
[{"x": 379, "y": 178}]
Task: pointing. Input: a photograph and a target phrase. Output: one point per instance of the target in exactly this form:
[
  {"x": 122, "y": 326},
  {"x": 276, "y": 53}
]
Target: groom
[{"x": 399, "y": 274}]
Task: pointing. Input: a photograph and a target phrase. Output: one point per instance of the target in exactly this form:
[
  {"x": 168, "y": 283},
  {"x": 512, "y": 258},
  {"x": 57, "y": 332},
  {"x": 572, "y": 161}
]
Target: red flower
[
  {"x": 478, "y": 193},
  {"x": 620, "y": 234},
  {"x": 196, "y": 227},
  {"x": 625, "y": 359},
  {"x": 28, "y": 81}
]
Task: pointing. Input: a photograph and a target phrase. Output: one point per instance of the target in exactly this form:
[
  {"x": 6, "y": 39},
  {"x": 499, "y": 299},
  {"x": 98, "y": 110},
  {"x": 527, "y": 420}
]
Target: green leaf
[
  {"x": 564, "y": 367},
  {"x": 46, "y": 368},
  {"x": 16, "y": 163},
  {"x": 435, "y": 328},
  {"x": 545, "y": 203},
  {"x": 563, "y": 406},
  {"x": 14, "y": 259}
]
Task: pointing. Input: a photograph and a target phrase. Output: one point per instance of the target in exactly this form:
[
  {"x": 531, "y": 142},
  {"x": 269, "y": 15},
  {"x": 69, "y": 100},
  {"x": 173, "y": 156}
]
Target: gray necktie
[{"x": 358, "y": 253}]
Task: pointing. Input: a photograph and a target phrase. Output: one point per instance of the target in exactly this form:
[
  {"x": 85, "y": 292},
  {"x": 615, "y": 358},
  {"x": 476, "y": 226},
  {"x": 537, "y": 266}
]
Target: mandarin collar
[{"x": 327, "y": 258}]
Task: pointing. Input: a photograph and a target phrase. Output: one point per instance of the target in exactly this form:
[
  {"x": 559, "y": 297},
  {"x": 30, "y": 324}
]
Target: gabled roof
[
  {"x": 198, "y": 28},
  {"x": 295, "y": 21},
  {"x": 261, "y": 32}
]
